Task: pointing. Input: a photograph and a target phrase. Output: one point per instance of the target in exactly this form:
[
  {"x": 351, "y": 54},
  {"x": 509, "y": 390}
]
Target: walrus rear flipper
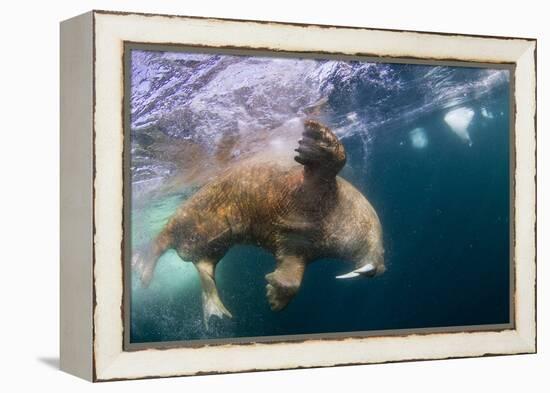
[
  {"x": 145, "y": 259},
  {"x": 320, "y": 151},
  {"x": 211, "y": 302}
]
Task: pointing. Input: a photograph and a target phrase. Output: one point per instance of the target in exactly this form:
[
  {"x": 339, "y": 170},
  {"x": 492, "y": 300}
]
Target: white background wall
[{"x": 29, "y": 212}]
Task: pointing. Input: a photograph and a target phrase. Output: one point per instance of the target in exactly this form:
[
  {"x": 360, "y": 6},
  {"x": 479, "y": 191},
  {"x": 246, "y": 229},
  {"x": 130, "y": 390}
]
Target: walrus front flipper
[
  {"x": 283, "y": 284},
  {"x": 211, "y": 302},
  {"x": 320, "y": 151}
]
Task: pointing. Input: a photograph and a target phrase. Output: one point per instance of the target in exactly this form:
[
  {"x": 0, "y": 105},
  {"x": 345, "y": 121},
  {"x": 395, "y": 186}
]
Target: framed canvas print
[{"x": 246, "y": 195}]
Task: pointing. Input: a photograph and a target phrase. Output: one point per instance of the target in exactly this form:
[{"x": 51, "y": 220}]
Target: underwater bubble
[
  {"x": 486, "y": 114},
  {"x": 459, "y": 120},
  {"x": 352, "y": 116},
  {"x": 277, "y": 143},
  {"x": 418, "y": 137}
]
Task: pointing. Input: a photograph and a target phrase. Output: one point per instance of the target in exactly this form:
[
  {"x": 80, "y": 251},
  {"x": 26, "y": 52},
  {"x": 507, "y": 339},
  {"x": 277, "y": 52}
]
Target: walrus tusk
[
  {"x": 363, "y": 270},
  {"x": 348, "y": 275}
]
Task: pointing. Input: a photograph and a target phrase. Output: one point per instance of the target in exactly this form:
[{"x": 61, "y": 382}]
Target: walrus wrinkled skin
[{"x": 300, "y": 213}]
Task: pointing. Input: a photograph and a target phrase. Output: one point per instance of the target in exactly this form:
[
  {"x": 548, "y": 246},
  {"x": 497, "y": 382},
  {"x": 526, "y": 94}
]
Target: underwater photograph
[{"x": 282, "y": 195}]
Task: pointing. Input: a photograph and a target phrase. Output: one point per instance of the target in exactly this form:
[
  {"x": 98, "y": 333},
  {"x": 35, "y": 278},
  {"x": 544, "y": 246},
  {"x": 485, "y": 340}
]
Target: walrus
[{"x": 300, "y": 212}]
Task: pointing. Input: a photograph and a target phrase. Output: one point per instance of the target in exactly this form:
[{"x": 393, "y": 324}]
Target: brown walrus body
[{"x": 298, "y": 212}]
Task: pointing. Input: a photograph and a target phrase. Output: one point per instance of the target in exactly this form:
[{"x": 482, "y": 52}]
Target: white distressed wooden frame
[{"x": 92, "y": 195}]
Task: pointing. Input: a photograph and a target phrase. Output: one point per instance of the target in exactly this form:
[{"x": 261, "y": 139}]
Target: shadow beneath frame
[{"x": 52, "y": 362}]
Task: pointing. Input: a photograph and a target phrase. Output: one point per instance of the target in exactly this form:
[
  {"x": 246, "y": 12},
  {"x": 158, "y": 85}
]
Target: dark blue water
[{"x": 443, "y": 204}]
